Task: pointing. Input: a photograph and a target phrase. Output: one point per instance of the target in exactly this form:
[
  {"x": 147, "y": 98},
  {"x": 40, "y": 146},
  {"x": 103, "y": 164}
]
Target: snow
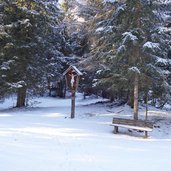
[
  {"x": 83, "y": 2},
  {"x": 79, "y": 19},
  {"x": 128, "y": 36},
  {"x": 121, "y": 49},
  {"x": 19, "y": 84},
  {"x": 165, "y": 30},
  {"x": 76, "y": 12},
  {"x": 24, "y": 21},
  {"x": 75, "y": 69},
  {"x": 133, "y": 127},
  {"x": 5, "y": 68},
  {"x": 134, "y": 69},
  {"x": 99, "y": 71},
  {"x": 111, "y": 1},
  {"x": 163, "y": 61},
  {"x": 6, "y": 65},
  {"x": 107, "y": 29},
  {"x": 43, "y": 137},
  {"x": 100, "y": 29},
  {"x": 151, "y": 45}
]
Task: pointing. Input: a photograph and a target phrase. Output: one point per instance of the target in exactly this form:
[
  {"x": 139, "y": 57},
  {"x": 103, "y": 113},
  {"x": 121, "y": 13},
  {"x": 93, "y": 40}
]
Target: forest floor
[{"x": 42, "y": 137}]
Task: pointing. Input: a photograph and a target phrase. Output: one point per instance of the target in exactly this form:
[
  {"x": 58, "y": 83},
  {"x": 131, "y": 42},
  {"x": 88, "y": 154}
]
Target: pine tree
[
  {"x": 26, "y": 47},
  {"x": 129, "y": 53},
  {"x": 136, "y": 33},
  {"x": 100, "y": 49}
]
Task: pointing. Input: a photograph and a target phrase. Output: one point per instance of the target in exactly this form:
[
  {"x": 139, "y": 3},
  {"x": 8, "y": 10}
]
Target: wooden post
[
  {"x": 72, "y": 104},
  {"x": 146, "y": 134},
  {"x": 146, "y": 114},
  {"x": 115, "y": 129},
  {"x": 72, "y": 75},
  {"x": 146, "y": 111}
]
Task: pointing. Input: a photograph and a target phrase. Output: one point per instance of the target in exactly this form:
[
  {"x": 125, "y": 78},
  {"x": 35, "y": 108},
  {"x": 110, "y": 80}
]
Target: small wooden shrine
[{"x": 72, "y": 76}]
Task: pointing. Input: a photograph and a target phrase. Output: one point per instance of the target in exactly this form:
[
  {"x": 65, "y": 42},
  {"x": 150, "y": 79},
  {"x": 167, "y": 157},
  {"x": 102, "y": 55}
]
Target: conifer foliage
[
  {"x": 26, "y": 47},
  {"x": 129, "y": 46},
  {"x": 122, "y": 46}
]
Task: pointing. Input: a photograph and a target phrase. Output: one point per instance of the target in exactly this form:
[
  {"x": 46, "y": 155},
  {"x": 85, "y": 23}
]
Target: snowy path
[{"x": 46, "y": 139}]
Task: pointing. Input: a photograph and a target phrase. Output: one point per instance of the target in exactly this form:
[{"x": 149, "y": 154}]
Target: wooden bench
[{"x": 141, "y": 125}]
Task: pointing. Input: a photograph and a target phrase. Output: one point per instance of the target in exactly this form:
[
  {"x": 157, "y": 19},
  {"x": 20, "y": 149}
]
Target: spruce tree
[
  {"x": 26, "y": 47},
  {"x": 129, "y": 51},
  {"x": 136, "y": 27}
]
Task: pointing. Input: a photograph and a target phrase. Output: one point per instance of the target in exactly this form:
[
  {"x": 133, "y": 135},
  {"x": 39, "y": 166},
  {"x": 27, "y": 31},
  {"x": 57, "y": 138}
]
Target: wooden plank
[
  {"x": 130, "y": 122},
  {"x": 132, "y": 127}
]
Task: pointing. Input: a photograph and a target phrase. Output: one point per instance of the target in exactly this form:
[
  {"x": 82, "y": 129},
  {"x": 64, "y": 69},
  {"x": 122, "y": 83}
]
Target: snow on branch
[
  {"x": 107, "y": 29},
  {"x": 6, "y": 65},
  {"x": 110, "y": 1},
  {"x": 134, "y": 69},
  {"x": 121, "y": 49},
  {"x": 162, "y": 61},
  {"x": 128, "y": 36},
  {"x": 151, "y": 46},
  {"x": 100, "y": 29},
  {"x": 19, "y": 84}
]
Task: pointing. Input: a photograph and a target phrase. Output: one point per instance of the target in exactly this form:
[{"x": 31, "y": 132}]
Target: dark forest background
[{"x": 123, "y": 48}]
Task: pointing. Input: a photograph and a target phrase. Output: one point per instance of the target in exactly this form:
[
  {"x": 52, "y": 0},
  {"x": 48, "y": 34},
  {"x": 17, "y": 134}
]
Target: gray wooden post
[
  {"x": 73, "y": 104},
  {"x": 146, "y": 111},
  {"x": 115, "y": 129},
  {"x": 146, "y": 134}
]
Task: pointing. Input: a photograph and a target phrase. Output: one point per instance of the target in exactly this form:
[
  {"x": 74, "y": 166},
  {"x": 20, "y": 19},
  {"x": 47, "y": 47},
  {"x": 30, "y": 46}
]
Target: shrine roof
[{"x": 79, "y": 73}]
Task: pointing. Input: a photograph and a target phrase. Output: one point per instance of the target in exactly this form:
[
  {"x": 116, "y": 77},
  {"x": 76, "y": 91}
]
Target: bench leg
[
  {"x": 115, "y": 129},
  {"x": 146, "y": 134}
]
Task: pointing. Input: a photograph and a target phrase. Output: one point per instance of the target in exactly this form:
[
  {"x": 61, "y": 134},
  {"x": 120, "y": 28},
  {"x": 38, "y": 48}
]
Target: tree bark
[
  {"x": 136, "y": 86},
  {"x": 48, "y": 86},
  {"x": 130, "y": 98},
  {"x": 21, "y": 97},
  {"x": 61, "y": 88},
  {"x": 137, "y": 59}
]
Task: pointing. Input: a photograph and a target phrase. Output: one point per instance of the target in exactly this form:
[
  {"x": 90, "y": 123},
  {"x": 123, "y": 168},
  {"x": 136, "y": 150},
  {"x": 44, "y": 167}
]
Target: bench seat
[{"x": 133, "y": 127}]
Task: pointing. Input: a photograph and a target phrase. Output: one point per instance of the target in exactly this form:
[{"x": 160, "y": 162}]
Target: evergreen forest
[{"x": 122, "y": 47}]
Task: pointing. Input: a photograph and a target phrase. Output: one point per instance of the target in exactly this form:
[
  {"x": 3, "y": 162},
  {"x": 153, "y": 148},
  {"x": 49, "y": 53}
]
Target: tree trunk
[
  {"x": 61, "y": 88},
  {"x": 137, "y": 59},
  {"x": 49, "y": 88},
  {"x": 21, "y": 97},
  {"x": 130, "y": 99},
  {"x": 136, "y": 82}
]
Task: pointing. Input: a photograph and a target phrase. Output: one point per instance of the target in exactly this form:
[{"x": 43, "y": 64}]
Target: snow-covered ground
[{"x": 42, "y": 137}]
